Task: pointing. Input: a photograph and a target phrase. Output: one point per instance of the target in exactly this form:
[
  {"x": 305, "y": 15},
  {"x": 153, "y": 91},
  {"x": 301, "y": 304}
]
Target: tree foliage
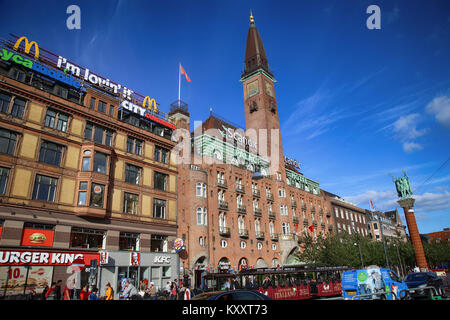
[{"x": 356, "y": 251}]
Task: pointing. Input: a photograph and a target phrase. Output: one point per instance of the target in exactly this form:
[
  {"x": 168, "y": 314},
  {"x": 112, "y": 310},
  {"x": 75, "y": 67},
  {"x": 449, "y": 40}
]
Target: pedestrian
[
  {"x": 227, "y": 286},
  {"x": 44, "y": 292},
  {"x": 32, "y": 294},
  {"x": 130, "y": 290},
  {"x": 93, "y": 295},
  {"x": 187, "y": 293},
  {"x": 67, "y": 293},
  {"x": 152, "y": 291},
  {"x": 109, "y": 294},
  {"x": 84, "y": 293},
  {"x": 58, "y": 290},
  {"x": 51, "y": 293},
  {"x": 174, "y": 291}
]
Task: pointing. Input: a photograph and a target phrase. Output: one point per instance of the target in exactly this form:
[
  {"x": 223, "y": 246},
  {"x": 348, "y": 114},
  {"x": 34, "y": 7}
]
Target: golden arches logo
[
  {"x": 28, "y": 46},
  {"x": 151, "y": 102}
]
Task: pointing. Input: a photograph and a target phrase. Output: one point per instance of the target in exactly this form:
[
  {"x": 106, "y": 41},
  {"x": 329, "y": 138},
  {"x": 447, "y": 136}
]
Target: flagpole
[{"x": 179, "y": 84}]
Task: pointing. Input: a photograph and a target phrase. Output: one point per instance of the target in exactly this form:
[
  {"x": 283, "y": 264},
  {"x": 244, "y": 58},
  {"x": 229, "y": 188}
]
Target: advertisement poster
[
  {"x": 370, "y": 281},
  {"x": 35, "y": 237},
  {"x": 38, "y": 278}
]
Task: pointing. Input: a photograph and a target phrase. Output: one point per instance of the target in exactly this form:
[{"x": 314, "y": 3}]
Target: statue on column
[{"x": 402, "y": 185}]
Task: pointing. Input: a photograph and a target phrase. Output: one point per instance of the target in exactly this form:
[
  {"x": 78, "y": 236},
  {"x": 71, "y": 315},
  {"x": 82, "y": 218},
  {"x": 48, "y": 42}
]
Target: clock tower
[{"x": 260, "y": 105}]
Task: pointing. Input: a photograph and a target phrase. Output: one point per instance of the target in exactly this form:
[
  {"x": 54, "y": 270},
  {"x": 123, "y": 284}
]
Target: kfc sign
[
  {"x": 135, "y": 258},
  {"x": 162, "y": 259}
]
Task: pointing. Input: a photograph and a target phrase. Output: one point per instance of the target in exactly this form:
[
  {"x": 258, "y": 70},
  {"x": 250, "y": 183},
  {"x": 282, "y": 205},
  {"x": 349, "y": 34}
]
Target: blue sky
[{"x": 354, "y": 104}]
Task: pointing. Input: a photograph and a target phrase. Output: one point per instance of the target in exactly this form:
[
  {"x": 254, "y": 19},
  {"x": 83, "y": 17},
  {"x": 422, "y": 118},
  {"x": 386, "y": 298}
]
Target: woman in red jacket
[{"x": 84, "y": 293}]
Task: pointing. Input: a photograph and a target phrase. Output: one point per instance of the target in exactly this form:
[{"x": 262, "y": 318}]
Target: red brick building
[{"x": 239, "y": 206}]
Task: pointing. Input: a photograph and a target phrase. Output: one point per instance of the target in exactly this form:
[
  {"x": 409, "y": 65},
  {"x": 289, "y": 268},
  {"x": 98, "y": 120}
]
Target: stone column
[{"x": 407, "y": 205}]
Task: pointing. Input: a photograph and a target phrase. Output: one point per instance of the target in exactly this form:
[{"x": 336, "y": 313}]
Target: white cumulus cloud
[{"x": 440, "y": 108}]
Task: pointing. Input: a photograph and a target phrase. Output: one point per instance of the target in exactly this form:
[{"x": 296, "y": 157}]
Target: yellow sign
[
  {"x": 150, "y": 103},
  {"x": 28, "y": 46}
]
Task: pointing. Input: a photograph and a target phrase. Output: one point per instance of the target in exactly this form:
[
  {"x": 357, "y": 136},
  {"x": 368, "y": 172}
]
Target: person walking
[
  {"x": 51, "y": 293},
  {"x": 93, "y": 295},
  {"x": 130, "y": 291},
  {"x": 173, "y": 293},
  {"x": 84, "y": 293},
  {"x": 109, "y": 294},
  {"x": 152, "y": 291},
  {"x": 58, "y": 290},
  {"x": 67, "y": 293}
]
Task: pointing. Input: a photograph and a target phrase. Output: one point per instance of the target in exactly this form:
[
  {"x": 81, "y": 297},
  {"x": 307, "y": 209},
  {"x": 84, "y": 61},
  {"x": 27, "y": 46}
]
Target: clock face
[
  {"x": 252, "y": 88},
  {"x": 269, "y": 89}
]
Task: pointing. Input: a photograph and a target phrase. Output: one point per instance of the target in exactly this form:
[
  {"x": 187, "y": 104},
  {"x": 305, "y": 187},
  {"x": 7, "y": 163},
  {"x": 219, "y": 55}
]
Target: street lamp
[{"x": 360, "y": 254}]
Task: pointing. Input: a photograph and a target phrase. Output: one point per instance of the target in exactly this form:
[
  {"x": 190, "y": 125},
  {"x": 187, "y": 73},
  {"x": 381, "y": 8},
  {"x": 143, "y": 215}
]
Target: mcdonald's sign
[
  {"x": 28, "y": 46},
  {"x": 150, "y": 103}
]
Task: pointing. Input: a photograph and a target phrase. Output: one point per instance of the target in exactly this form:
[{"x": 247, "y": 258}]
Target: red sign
[
  {"x": 43, "y": 258},
  {"x": 37, "y": 237}
]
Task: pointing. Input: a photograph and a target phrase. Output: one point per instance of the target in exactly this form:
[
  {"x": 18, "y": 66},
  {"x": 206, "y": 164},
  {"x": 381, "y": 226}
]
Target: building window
[
  {"x": 4, "y": 102},
  {"x": 87, "y": 238},
  {"x": 160, "y": 182},
  {"x": 92, "y": 105},
  {"x": 50, "y": 153},
  {"x": 4, "y": 175},
  {"x": 159, "y": 208},
  {"x": 129, "y": 241},
  {"x": 134, "y": 145},
  {"x": 200, "y": 190},
  {"x": 201, "y": 217},
  {"x": 101, "y": 106},
  {"x": 131, "y": 203},
  {"x": 159, "y": 243},
  {"x": 54, "y": 118},
  {"x": 8, "y": 141},
  {"x": 44, "y": 188},
  {"x": 100, "y": 162},
  {"x": 62, "y": 92},
  {"x": 223, "y": 243},
  {"x": 98, "y": 134},
  {"x": 285, "y": 228},
  {"x": 283, "y": 210},
  {"x": 282, "y": 193},
  {"x": 111, "y": 110},
  {"x": 97, "y": 195},
  {"x": 161, "y": 154},
  {"x": 18, "y": 108},
  {"x": 132, "y": 174},
  {"x": 82, "y": 193},
  {"x": 86, "y": 164},
  {"x": 202, "y": 241}
]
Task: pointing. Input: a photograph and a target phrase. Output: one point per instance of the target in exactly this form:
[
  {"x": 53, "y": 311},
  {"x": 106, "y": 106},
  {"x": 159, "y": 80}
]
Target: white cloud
[
  {"x": 440, "y": 108},
  {"x": 410, "y": 147},
  {"x": 406, "y": 127}
]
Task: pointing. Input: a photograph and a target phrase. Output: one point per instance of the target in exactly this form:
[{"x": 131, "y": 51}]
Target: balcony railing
[
  {"x": 305, "y": 221},
  {"x": 259, "y": 235},
  {"x": 304, "y": 206},
  {"x": 257, "y": 212},
  {"x": 289, "y": 236},
  {"x": 295, "y": 219},
  {"x": 269, "y": 196},
  {"x": 224, "y": 231},
  {"x": 222, "y": 183},
  {"x": 241, "y": 209},
  {"x": 243, "y": 233},
  {"x": 240, "y": 189},
  {"x": 272, "y": 215},
  {"x": 274, "y": 236},
  {"x": 223, "y": 205},
  {"x": 256, "y": 193},
  {"x": 294, "y": 203}
]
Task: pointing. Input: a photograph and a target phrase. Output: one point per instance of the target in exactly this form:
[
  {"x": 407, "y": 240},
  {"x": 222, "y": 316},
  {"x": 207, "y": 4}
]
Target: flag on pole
[
  {"x": 185, "y": 74},
  {"x": 371, "y": 205},
  {"x": 311, "y": 228}
]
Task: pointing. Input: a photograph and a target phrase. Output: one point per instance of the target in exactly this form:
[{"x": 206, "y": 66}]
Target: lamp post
[{"x": 360, "y": 254}]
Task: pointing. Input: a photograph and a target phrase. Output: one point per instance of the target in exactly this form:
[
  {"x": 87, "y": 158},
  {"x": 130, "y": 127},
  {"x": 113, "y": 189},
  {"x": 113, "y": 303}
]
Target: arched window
[{"x": 201, "y": 216}]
